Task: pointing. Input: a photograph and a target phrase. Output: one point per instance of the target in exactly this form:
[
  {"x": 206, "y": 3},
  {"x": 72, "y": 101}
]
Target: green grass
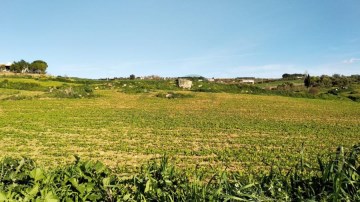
[
  {"x": 42, "y": 82},
  {"x": 5, "y": 93},
  {"x": 124, "y": 124},
  {"x": 209, "y": 130}
]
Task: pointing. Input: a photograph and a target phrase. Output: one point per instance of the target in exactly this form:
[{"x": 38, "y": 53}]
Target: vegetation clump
[
  {"x": 22, "y": 66},
  {"x": 174, "y": 95},
  {"x": 355, "y": 98},
  {"x": 66, "y": 91},
  {"x": 30, "y": 86},
  {"x": 141, "y": 86},
  {"x": 336, "y": 178}
]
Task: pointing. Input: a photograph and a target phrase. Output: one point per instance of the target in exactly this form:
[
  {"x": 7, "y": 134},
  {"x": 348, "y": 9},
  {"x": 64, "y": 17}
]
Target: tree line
[
  {"x": 335, "y": 80},
  {"x": 22, "y": 66},
  {"x": 287, "y": 76}
]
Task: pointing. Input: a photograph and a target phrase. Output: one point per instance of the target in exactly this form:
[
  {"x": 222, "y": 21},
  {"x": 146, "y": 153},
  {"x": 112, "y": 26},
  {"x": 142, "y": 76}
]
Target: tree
[
  {"x": 343, "y": 82},
  {"x": 325, "y": 81},
  {"x": 38, "y": 66},
  {"x": 2, "y": 67},
  {"x": 292, "y": 76},
  {"x": 285, "y": 76},
  {"x": 315, "y": 81},
  {"x": 307, "y": 81},
  {"x": 132, "y": 77},
  {"x": 355, "y": 77},
  {"x": 18, "y": 67}
]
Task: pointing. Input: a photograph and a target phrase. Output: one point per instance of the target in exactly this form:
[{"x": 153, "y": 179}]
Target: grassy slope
[
  {"x": 45, "y": 83},
  {"x": 276, "y": 83},
  {"x": 5, "y": 93},
  {"x": 210, "y": 129}
]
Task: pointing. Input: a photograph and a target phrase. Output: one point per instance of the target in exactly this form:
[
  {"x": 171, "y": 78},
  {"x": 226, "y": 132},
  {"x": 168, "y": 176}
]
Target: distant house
[
  {"x": 248, "y": 81},
  {"x": 5, "y": 67}
]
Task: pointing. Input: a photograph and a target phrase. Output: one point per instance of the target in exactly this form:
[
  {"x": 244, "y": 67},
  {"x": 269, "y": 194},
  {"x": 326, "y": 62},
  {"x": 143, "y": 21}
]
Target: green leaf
[
  {"x": 74, "y": 182},
  {"x": 31, "y": 193},
  {"x": 106, "y": 181},
  {"x": 247, "y": 186},
  {"x": 69, "y": 200},
  {"x": 21, "y": 164},
  {"x": 90, "y": 187},
  {"x": 50, "y": 197},
  {"x": 126, "y": 197},
  {"x": 168, "y": 182},
  {"x": 37, "y": 174},
  {"x": 94, "y": 197},
  {"x": 148, "y": 186},
  {"x": 79, "y": 187},
  {"x": 3, "y": 196},
  {"x": 34, "y": 190},
  {"x": 99, "y": 167}
]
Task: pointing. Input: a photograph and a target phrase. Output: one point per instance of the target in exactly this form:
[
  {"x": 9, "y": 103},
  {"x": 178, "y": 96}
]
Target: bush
[
  {"x": 67, "y": 91},
  {"x": 314, "y": 90},
  {"x": 142, "y": 86}
]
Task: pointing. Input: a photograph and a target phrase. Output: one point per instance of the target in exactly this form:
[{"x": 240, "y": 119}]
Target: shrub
[
  {"x": 67, "y": 91},
  {"x": 142, "y": 86},
  {"x": 314, "y": 90}
]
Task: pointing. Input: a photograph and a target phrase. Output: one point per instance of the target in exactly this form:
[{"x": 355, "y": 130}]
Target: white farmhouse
[
  {"x": 248, "y": 81},
  {"x": 5, "y": 67}
]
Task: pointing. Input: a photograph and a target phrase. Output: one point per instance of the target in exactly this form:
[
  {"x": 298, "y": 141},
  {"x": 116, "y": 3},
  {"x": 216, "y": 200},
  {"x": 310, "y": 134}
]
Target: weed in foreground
[{"x": 335, "y": 179}]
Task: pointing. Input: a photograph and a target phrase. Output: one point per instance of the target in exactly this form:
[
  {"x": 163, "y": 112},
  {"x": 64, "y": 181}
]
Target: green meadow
[
  {"x": 124, "y": 140},
  {"x": 239, "y": 131}
]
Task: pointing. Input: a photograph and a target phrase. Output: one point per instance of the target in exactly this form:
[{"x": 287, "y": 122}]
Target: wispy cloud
[{"x": 351, "y": 60}]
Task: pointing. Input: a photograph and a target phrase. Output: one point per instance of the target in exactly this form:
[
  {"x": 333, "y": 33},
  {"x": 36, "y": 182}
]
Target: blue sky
[{"x": 222, "y": 38}]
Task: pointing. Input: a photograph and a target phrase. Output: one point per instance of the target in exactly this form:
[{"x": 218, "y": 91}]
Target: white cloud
[{"x": 351, "y": 60}]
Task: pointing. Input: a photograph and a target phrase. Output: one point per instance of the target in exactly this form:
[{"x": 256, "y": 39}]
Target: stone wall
[{"x": 184, "y": 83}]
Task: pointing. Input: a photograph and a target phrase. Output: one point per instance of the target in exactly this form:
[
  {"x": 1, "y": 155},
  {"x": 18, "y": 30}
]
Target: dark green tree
[
  {"x": 325, "y": 81},
  {"x": 132, "y": 77},
  {"x": 307, "y": 81},
  {"x": 38, "y": 66},
  {"x": 285, "y": 76},
  {"x": 19, "y": 66},
  {"x": 292, "y": 76}
]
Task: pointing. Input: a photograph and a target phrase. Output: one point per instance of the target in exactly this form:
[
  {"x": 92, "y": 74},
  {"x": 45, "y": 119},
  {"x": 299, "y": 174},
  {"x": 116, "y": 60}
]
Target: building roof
[{"x": 8, "y": 64}]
